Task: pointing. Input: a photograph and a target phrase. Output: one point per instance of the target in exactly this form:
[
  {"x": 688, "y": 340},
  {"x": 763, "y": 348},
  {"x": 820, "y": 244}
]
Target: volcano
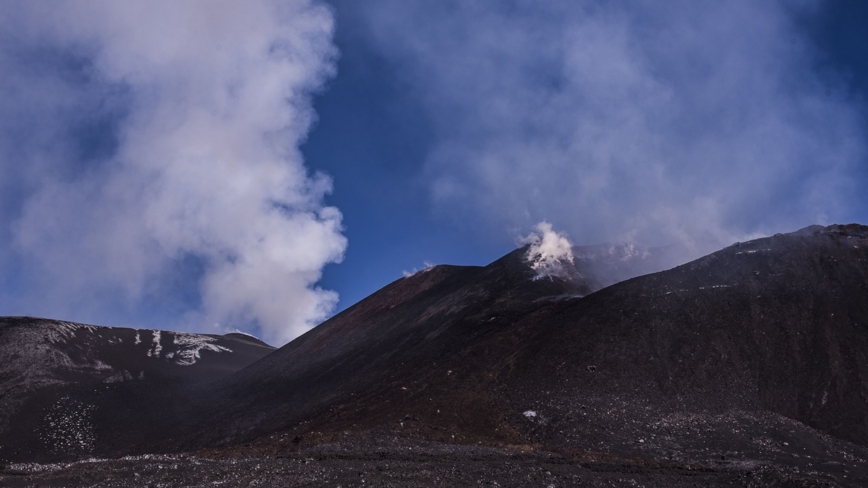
[{"x": 747, "y": 366}]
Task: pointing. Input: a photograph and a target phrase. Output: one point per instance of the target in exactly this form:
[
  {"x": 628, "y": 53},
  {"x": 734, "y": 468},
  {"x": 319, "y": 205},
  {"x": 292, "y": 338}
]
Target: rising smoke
[
  {"x": 703, "y": 122},
  {"x": 548, "y": 251},
  {"x": 150, "y": 147}
]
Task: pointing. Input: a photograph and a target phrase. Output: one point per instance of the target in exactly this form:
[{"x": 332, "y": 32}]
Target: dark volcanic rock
[{"x": 425, "y": 332}]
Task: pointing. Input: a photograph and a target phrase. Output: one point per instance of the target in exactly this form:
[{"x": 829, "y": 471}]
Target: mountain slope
[
  {"x": 415, "y": 331},
  {"x": 775, "y": 326},
  {"x": 71, "y": 389},
  {"x": 754, "y": 347}
]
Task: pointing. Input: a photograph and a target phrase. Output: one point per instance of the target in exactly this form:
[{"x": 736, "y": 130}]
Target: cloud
[
  {"x": 660, "y": 121},
  {"x": 151, "y": 148}
]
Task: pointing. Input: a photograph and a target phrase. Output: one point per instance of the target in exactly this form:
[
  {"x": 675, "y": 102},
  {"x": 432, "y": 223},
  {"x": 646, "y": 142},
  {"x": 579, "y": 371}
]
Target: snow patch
[
  {"x": 752, "y": 251},
  {"x": 119, "y": 377},
  {"x": 548, "y": 251},
  {"x": 61, "y": 332},
  {"x": 156, "y": 348},
  {"x": 530, "y": 414},
  {"x": 189, "y": 346},
  {"x": 99, "y": 365},
  {"x": 138, "y": 338}
]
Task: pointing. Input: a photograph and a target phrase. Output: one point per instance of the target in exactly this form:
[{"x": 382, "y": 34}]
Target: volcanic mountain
[
  {"x": 776, "y": 326},
  {"x": 748, "y": 361}
]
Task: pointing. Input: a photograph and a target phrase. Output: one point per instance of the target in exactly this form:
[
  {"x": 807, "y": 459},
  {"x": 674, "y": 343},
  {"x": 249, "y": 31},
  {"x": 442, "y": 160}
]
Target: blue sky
[{"x": 262, "y": 166}]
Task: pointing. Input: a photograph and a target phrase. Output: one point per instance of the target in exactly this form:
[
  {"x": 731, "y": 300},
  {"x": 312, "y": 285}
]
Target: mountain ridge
[{"x": 52, "y": 370}]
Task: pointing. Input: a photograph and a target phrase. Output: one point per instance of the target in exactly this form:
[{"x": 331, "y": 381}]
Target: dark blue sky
[{"x": 372, "y": 137}]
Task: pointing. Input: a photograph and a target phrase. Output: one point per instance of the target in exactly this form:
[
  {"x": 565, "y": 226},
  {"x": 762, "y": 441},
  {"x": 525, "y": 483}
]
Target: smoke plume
[
  {"x": 151, "y": 148},
  {"x": 547, "y": 251}
]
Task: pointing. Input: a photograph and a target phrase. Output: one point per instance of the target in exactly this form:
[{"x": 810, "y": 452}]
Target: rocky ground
[{"x": 387, "y": 459}]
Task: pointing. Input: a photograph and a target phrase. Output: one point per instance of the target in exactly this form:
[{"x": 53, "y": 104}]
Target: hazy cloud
[
  {"x": 150, "y": 148},
  {"x": 652, "y": 121}
]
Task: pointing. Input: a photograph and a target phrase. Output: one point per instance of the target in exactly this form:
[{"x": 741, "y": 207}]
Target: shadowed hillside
[{"x": 70, "y": 389}]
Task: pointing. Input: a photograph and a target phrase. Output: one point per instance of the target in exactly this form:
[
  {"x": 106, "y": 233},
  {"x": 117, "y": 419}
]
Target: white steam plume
[
  {"x": 656, "y": 120},
  {"x": 548, "y": 251},
  {"x": 155, "y": 149}
]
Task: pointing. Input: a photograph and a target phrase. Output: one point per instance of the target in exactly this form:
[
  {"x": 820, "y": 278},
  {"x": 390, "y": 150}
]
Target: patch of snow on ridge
[
  {"x": 189, "y": 346},
  {"x": 753, "y": 251},
  {"x": 60, "y": 332},
  {"x": 155, "y": 350},
  {"x": 548, "y": 251}
]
